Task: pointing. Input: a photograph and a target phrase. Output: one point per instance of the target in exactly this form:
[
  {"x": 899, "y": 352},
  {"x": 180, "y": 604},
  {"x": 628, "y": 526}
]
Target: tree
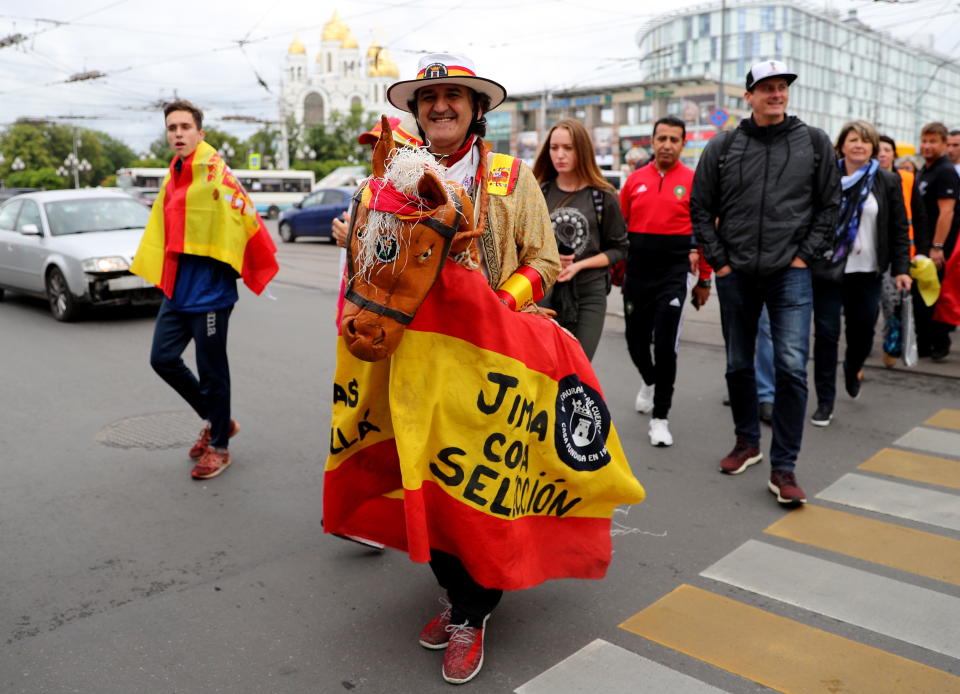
[
  {"x": 335, "y": 143},
  {"x": 265, "y": 143},
  {"x": 216, "y": 138}
]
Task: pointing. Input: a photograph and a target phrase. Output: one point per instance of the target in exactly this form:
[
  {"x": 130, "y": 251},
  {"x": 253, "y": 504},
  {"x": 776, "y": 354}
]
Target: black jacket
[
  {"x": 773, "y": 197},
  {"x": 893, "y": 241}
]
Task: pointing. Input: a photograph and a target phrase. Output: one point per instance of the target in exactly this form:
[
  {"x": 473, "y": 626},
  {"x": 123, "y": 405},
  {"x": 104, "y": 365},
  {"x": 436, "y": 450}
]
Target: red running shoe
[
  {"x": 740, "y": 458},
  {"x": 464, "y": 656},
  {"x": 211, "y": 464},
  {"x": 783, "y": 483},
  {"x": 200, "y": 447},
  {"x": 435, "y": 635}
]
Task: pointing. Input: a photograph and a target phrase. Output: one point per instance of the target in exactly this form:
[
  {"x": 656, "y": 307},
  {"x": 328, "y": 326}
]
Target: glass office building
[{"x": 846, "y": 70}]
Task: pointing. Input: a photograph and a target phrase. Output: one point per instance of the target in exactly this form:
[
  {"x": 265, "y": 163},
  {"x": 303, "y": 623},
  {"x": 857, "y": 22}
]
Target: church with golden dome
[{"x": 340, "y": 76}]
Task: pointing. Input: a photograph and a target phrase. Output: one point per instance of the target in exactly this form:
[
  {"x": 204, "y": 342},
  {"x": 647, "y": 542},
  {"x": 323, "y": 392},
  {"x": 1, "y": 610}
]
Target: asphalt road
[{"x": 120, "y": 574}]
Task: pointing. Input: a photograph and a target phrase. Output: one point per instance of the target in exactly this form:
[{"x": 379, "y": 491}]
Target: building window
[
  {"x": 688, "y": 27},
  {"x": 713, "y": 47},
  {"x": 705, "y": 24},
  {"x": 767, "y": 18},
  {"x": 313, "y": 109}
]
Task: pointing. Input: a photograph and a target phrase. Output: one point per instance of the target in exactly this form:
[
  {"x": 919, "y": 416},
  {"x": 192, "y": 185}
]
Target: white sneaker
[
  {"x": 644, "y": 398},
  {"x": 660, "y": 433}
]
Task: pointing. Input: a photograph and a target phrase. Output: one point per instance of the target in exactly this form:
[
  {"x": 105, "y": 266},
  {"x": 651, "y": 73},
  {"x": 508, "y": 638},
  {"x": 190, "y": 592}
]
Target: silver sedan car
[{"x": 73, "y": 247}]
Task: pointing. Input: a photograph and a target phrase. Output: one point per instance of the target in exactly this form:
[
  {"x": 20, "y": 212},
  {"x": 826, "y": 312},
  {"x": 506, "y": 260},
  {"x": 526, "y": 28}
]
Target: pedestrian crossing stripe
[
  {"x": 915, "y": 551},
  {"x": 909, "y": 613},
  {"x": 946, "y": 443},
  {"x": 777, "y": 652},
  {"x": 614, "y": 670},
  {"x": 896, "y": 499},
  {"x": 947, "y": 419},
  {"x": 918, "y": 467}
]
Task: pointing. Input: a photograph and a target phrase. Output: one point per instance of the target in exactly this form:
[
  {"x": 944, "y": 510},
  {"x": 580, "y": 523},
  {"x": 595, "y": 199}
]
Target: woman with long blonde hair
[{"x": 588, "y": 226}]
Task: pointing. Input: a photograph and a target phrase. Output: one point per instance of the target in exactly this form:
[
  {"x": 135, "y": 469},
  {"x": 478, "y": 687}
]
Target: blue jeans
[
  {"x": 766, "y": 376},
  {"x": 210, "y": 395},
  {"x": 788, "y": 296}
]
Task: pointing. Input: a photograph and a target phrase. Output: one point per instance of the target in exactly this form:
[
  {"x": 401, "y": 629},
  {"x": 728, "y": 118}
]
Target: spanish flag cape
[
  {"x": 948, "y": 305},
  {"x": 485, "y": 436},
  {"x": 205, "y": 211}
]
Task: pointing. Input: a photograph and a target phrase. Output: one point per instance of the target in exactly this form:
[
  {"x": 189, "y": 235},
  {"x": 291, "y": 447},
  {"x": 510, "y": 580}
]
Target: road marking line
[
  {"x": 906, "y": 549},
  {"x": 915, "y": 466},
  {"x": 948, "y": 419},
  {"x": 602, "y": 666},
  {"x": 916, "y": 615},
  {"x": 896, "y": 499},
  {"x": 931, "y": 440},
  {"x": 778, "y": 652}
]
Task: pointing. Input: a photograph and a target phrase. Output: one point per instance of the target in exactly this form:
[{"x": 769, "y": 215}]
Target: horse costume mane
[{"x": 408, "y": 220}]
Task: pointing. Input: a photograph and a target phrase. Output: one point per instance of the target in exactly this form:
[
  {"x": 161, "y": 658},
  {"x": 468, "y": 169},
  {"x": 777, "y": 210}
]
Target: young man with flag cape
[{"x": 203, "y": 233}]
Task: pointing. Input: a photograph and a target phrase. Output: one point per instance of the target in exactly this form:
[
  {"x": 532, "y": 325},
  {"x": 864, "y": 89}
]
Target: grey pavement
[{"x": 120, "y": 574}]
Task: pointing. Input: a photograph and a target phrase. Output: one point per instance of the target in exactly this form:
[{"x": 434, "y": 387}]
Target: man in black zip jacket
[{"x": 764, "y": 207}]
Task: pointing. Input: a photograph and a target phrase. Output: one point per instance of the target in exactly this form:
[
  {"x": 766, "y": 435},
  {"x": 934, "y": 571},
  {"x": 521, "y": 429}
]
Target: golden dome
[
  {"x": 383, "y": 66},
  {"x": 335, "y": 29},
  {"x": 296, "y": 48},
  {"x": 348, "y": 40},
  {"x": 373, "y": 50}
]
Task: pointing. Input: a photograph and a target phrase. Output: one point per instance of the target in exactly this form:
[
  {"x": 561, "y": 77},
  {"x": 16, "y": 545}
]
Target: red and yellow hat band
[{"x": 438, "y": 70}]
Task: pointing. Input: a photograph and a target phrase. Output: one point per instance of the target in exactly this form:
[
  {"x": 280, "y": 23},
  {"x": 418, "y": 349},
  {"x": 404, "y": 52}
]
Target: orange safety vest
[{"x": 906, "y": 182}]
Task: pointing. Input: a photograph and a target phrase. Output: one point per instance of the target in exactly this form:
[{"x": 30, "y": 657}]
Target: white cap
[{"x": 766, "y": 70}]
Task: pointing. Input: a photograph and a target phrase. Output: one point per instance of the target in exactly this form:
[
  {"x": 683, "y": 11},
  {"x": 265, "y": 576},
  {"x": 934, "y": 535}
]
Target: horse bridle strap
[
  {"x": 363, "y": 302},
  {"x": 445, "y": 230}
]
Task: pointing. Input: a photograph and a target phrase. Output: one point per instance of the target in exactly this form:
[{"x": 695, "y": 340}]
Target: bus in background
[{"x": 271, "y": 191}]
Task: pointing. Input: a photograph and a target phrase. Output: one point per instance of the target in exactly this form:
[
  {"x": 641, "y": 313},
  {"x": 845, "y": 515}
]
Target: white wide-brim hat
[{"x": 443, "y": 68}]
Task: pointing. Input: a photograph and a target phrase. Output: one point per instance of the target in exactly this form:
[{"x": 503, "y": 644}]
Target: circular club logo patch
[
  {"x": 434, "y": 71},
  {"x": 583, "y": 423},
  {"x": 679, "y": 191},
  {"x": 387, "y": 248}
]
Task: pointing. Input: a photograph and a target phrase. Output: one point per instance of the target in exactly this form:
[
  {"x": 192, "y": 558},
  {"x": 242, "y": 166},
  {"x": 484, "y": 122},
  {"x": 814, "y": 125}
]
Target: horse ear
[
  {"x": 383, "y": 148},
  {"x": 430, "y": 188}
]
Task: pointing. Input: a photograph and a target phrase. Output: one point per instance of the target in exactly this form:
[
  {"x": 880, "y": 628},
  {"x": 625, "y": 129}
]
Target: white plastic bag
[{"x": 909, "y": 330}]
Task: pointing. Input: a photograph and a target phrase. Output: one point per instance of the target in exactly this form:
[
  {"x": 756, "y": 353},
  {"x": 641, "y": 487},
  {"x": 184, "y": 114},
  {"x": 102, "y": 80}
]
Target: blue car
[{"x": 313, "y": 215}]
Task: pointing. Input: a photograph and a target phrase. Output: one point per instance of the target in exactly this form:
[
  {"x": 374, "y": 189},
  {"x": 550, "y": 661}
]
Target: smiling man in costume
[{"x": 203, "y": 233}]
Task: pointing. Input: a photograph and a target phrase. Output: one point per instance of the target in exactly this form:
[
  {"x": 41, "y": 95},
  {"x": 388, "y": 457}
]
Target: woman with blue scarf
[{"x": 871, "y": 236}]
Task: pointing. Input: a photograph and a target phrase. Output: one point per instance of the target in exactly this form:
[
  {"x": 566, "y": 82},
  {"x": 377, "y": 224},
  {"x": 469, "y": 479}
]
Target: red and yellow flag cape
[
  {"x": 205, "y": 211},
  {"x": 485, "y": 435},
  {"x": 947, "y": 308}
]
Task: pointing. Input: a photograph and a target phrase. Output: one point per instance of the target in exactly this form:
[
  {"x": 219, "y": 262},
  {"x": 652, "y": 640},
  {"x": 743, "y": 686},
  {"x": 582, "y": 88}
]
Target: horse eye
[{"x": 426, "y": 254}]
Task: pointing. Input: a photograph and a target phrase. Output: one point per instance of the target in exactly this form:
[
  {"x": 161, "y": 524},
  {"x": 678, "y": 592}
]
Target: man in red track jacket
[{"x": 656, "y": 207}]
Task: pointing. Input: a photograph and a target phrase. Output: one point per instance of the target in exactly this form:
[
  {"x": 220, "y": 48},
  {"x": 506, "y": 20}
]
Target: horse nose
[{"x": 350, "y": 328}]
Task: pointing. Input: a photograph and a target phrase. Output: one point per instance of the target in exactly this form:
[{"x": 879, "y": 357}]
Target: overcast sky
[{"x": 150, "y": 49}]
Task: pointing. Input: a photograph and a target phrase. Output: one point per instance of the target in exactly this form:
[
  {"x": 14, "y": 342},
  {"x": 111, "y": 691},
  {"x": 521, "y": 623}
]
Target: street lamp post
[
  {"x": 226, "y": 151},
  {"x": 72, "y": 163}
]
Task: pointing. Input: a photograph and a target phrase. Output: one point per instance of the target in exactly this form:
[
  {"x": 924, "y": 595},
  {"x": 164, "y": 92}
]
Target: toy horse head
[{"x": 406, "y": 223}]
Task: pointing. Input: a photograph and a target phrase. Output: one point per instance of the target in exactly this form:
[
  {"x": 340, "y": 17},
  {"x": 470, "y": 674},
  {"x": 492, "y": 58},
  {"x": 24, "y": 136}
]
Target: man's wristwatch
[
  {"x": 704, "y": 284},
  {"x": 938, "y": 246}
]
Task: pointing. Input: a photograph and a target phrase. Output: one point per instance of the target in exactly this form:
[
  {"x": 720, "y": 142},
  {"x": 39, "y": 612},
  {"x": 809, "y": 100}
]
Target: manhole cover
[{"x": 152, "y": 431}]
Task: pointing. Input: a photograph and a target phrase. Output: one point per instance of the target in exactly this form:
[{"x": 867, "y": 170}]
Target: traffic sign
[{"x": 719, "y": 117}]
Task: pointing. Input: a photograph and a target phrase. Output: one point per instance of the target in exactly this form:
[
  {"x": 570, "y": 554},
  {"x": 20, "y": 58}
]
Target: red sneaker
[
  {"x": 464, "y": 656},
  {"x": 783, "y": 483},
  {"x": 435, "y": 635},
  {"x": 200, "y": 447},
  {"x": 740, "y": 458},
  {"x": 211, "y": 464}
]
